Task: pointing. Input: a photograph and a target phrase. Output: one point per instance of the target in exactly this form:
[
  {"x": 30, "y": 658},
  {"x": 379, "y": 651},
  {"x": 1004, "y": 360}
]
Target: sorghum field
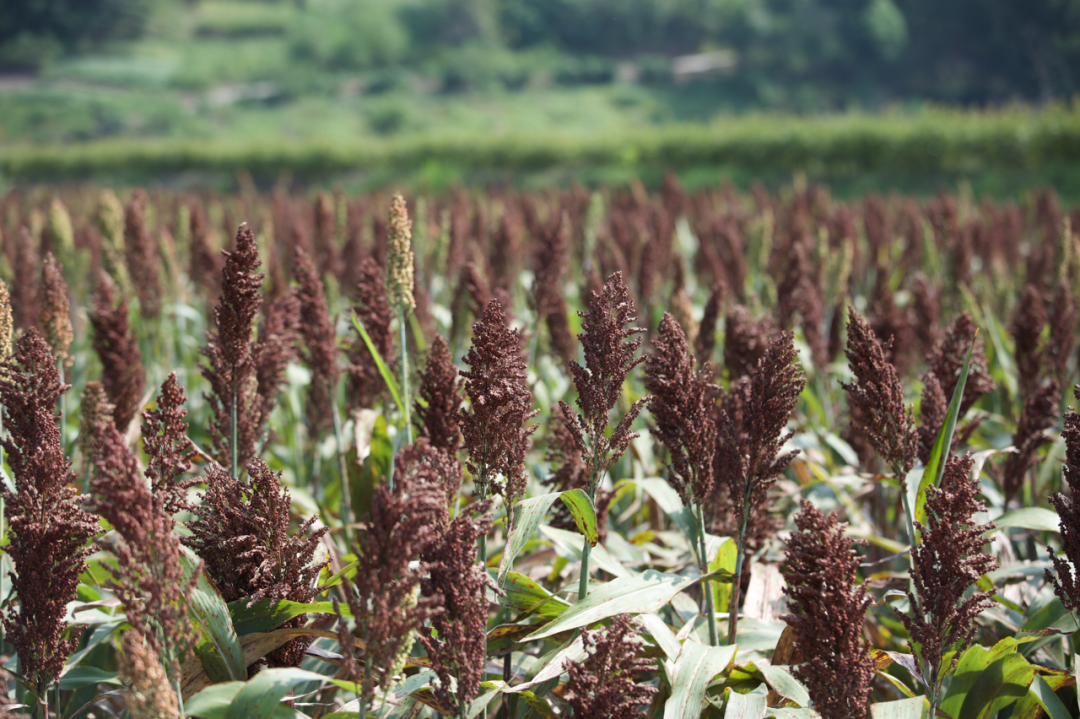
[{"x": 611, "y": 453}]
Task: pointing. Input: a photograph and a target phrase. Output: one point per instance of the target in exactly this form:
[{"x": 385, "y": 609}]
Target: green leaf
[
  {"x": 387, "y": 375},
  {"x": 669, "y": 501},
  {"x": 219, "y": 647},
  {"x": 347, "y": 572},
  {"x": 524, "y": 594},
  {"x": 746, "y": 706},
  {"x": 600, "y": 557},
  {"x": 781, "y": 680},
  {"x": 79, "y": 677},
  {"x": 935, "y": 466},
  {"x": 1038, "y": 518},
  {"x": 1002, "y": 683},
  {"x": 639, "y": 594},
  {"x": 537, "y": 704},
  {"x": 724, "y": 561},
  {"x": 900, "y": 709},
  {"x": 262, "y": 695},
  {"x": 369, "y": 474},
  {"x": 528, "y": 514},
  {"x": 973, "y": 662},
  {"x": 267, "y": 614},
  {"x": 695, "y": 668},
  {"x": 1048, "y": 700},
  {"x": 213, "y": 701},
  {"x": 584, "y": 514}
]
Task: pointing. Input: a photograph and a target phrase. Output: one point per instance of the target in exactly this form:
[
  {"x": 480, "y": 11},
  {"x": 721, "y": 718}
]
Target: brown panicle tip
[{"x": 877, "y": 393}]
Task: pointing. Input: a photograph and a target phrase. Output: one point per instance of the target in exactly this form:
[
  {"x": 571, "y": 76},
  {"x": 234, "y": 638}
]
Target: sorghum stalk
[{"x": 751, "y": 457}]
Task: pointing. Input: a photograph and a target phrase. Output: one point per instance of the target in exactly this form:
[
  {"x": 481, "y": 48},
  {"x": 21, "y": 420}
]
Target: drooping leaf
[
  {"x": 639, "y": 594},
  {"x": 912, "y": 708},
  {"x": 218, "y": 647},
  {"x": 694, "y": 669},
  {"x": 1042, "y": 693},
  {"x": 261, "y": 696},
  {"x": 528, "y": 514},
  {"x": 524, "y": 594},
  {"x": 584, "y": 514},
  {"x": 79, "y": 677},
  {"x": 267, "y": 614},
  {"x": 1000, "y": 684},
  {"x": 570, "y": 542},
  {"x": 786, "y": 685},
  {"x": 537, "y": 704},
  {"x": 1040, "y": 519},
  {"x": 935, "y": 465},
  {"x": 746, "y": 706}
]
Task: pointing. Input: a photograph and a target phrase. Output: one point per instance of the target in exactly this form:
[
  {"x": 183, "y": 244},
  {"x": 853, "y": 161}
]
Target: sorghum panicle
[
  {"x": 602, "y": 686},
  {"x": 828, "y": 610},
  {"x": 117, "y": 347}
]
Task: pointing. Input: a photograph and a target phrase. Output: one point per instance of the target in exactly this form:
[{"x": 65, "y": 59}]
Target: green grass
[{"x": 1013, "y": 143}]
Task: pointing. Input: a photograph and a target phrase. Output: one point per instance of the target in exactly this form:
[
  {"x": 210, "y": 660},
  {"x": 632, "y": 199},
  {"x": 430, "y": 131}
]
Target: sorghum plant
[
  {"x": 883, "y": 419},
  {"x": 705, "y": 342},
  {"x": 241, "y": 532},
  {"x": 366, "y": 385},
  {"x": 569, "y": 471},
  {"x": 399, "y": 288},
  {"x": 493, "y": 428},
  {"x": 54, "y": 312},
  {"x": 438, "y": 420},
  {"x": 149, "y": 577},
  {"x": 751, "y": 459},
  {"x": 116, "y": 345},
  {"x": 828, "y": 609},
  {"x": 274, "y": 350},
  {"x": 609, "y": 346},
  {"x": 403, "y": 523},
  {"x": 142, "y": 256},
  {"x": 458, "y": 653},
  {"x": 945, "y": 563},
  {"x": 1065, "y": 576},
  {"x": 169, "y": 452},
  {"x": 147, "y": 692},
  {"x": 683, "y": 406},
  {"x": 48, "y": 529},
  {"x": 603, "y": 686},
  {"x": 320, "y": 352},
  {"x": 230, "y": 354}
]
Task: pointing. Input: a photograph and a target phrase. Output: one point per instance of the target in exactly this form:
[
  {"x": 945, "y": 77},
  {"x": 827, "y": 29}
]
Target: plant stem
[
  {"x": 343, "y": 469},
  {"x": 405, "y": 381},
  {"x": 736, "y": 579},
  {"x": 234, "y": 455},
  {"x": 703, "y": 567}
]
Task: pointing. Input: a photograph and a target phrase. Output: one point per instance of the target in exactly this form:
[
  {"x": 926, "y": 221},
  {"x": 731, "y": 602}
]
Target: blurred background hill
[{"x": 344, "y": 70}]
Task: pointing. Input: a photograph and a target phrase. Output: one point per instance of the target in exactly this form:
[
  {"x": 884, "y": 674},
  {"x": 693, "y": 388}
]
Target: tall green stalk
[
  {"x": 703, "y": 568},
  {"x": 234, "y": 453},
  {"x": 736, "y": 579},
  {"x": 343, "y": 469},
  {"x": 405, "y": 379}
]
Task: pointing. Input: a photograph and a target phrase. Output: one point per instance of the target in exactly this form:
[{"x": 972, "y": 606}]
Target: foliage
[{"x": 360, "y": 571}]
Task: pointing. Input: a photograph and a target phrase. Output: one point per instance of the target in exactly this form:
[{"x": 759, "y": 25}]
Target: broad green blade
[
  {"x": 639, "y": 594},
  {"x": 261, "y": 696},
  {"x": 900, "y": 709},
  {"x": 528, "y": 514},
  {"x": 268, "y": 614},
  {"x": 584, "y": 514},
  {"x": 695, "y": 668},
  {"x": 219, "y": 647}
]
